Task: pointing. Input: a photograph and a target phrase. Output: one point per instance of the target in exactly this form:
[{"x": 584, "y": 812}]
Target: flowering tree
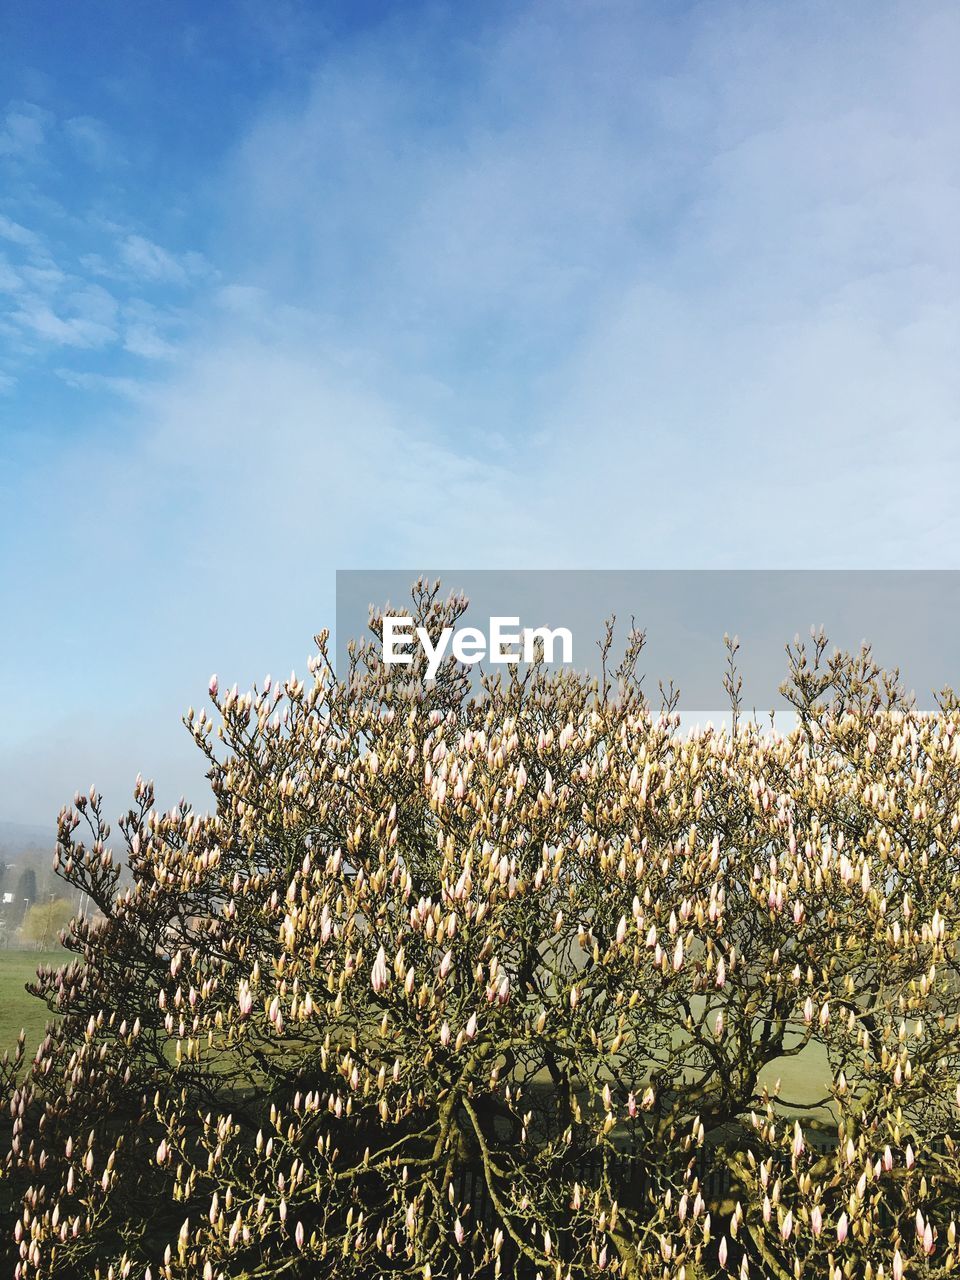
[{"x": 461, "y": 986}]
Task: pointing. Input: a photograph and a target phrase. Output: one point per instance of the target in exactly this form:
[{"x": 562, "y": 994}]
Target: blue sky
[{"x": 286, "y": 288}]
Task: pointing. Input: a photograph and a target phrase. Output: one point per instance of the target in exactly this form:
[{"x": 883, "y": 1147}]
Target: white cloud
[
  {"x": 56, "y": 300},
  {"x": 130, "y": 388},
  {"x": 10, "y": 281},
  {"x": 152, "y": 262},
  {"x": 259, "y": 417},
  {"x": 23, "y": 129},
  {"x": 701, "y": 279},
  {"x": 45, "y": 278},
  {"x": 18, "y": 235},
  {"x": 85, "y": 318},
  {"x": 92, "y": 140},
  {"x": 242, "y": 299},
  {"x": 145, "y": 340}
]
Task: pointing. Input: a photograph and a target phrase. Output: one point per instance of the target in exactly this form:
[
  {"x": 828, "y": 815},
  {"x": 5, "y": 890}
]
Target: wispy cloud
[
  {"x": 701, "y": 257},
  {"x": 10, "y": 281},
  {"x": 93, "y": 141},
  {"x": 145, "y": 340},
  {"x": 79, "y": 278},
  {"x": 152, "y": 262},
  {"x": 16, "y": 234},
  {"x": 86, "y": 318},
  {"x": 23, "y": 129},
  {"x": 130, "y": 388}
]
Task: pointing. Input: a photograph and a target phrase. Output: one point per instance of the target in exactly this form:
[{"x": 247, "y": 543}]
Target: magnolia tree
[{"x": 457, "y": 985}]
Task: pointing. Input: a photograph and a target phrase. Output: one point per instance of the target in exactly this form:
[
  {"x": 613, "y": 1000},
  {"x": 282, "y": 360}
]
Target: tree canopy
[{"x": 457, "y": 983}]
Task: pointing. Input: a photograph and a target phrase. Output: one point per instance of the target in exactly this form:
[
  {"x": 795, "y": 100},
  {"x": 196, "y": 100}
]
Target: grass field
[
  {"x": 17, "y": 1008},
  {"x": 803, "y": 1079}
]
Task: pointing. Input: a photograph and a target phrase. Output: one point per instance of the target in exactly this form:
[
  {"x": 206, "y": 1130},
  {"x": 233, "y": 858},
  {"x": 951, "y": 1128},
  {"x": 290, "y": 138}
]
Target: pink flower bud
[
  {"x": 213, "y": 686},
  {"x": 378, "y": 974}
]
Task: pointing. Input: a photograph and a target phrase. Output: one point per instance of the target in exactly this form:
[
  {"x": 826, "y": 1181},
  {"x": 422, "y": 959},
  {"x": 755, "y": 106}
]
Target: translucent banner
[{"x": 911, "y": 620}]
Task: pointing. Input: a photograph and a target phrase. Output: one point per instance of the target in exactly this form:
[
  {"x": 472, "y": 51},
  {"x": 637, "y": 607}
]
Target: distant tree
[
  {"x": 44, "y": 921},
  {"x": 26, "y": 894}
]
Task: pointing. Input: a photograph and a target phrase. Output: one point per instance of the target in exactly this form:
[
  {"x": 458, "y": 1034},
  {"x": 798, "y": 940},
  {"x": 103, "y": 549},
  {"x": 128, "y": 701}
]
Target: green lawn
[
  {"x": 804, "y": 1078},
  {"x": 17, "y": 1008}
]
